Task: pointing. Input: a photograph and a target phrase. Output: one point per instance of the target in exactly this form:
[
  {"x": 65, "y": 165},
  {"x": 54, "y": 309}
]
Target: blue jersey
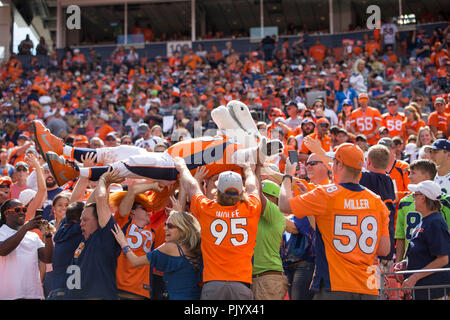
[
  {"x": 97, "y": 259},
  {"x": 429, "y": 239}
]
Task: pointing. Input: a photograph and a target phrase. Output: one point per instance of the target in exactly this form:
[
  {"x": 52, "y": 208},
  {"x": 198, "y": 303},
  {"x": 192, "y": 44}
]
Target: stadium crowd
[{"x": 379, "y": 100}]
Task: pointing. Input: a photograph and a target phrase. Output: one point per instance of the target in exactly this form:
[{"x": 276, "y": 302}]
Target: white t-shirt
[
  {"x": 149, "y": 143},
  {"x": 443, "y": 181},
  {"x": 389, "y": 30},
  {"x": 19, "y": 270},
  {"x": 133, "y": 125}
]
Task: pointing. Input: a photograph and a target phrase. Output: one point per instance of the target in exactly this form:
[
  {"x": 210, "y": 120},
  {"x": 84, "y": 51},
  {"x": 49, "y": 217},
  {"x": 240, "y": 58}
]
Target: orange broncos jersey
[
  {"x": 213, "y": 152},
  {"x": 366, "y": 122},
  {"x": 394, "y": 123},
  {"x": 228, "y": 237},
  {"x": 130, "y": 279},
  {"x": 350, "y": 220}
]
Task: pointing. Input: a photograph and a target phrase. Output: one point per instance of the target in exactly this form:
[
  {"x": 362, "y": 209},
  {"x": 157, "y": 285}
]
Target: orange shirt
[
  {"x": 251, "y": 67},
  {"x": 228, "y": 237},
  {"x": 400, "y": 177},
  {"x": 130, "y": 279},
  {"x": 438, "y": 120},
  {"x": 415, "y": 125},
  {"x": 191, "y": 61},
  {"x": 438, "y": 58},
  {"x": 325, "y": 142},
  {"x": 350, "y": 221},
  {"x": 365, "y": 122},
  {"x": 371, "y": 47},
  {"x": 318, "y": 52},
  {"x": 393, "y": 123}
]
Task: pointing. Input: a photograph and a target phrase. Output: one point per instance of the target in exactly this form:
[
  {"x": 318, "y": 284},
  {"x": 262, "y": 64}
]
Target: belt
[{"x": 265, "y": 273}]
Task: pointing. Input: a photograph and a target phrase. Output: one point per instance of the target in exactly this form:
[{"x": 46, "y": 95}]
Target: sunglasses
[
  {"x": 22, "y": 169},
  {"x": 3, "y": 186},
  {"x": 171, "y": 226},
  {"x": 313, "y": 163},
  {"x": 17, "y": 210},
  {"x": 323, "y": 125}
]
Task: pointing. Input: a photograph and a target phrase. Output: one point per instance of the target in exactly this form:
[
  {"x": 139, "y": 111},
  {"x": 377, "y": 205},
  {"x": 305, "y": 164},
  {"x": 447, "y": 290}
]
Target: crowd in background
[{"x": 374, "y": 91}]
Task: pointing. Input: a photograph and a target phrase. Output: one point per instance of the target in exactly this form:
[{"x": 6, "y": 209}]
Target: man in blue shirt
[{"x": 92, "y": 274}]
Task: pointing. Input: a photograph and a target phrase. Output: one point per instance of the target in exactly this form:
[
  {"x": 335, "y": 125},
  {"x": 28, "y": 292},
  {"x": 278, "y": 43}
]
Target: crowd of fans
[{"x": 377, "y": 91}]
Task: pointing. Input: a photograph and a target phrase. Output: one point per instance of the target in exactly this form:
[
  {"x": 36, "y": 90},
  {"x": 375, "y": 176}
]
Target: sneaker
[
  {"x": 62, "y": 170},
  {"x": 45, "y": 140}
]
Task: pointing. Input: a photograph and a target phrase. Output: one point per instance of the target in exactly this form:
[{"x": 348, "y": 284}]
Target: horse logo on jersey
[{"x": 78, "y": 250}]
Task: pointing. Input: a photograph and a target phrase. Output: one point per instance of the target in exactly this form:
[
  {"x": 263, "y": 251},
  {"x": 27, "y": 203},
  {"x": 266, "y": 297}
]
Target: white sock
[
  {"x": 67, "y": 150},
  {"x": 85, "y": 172}
]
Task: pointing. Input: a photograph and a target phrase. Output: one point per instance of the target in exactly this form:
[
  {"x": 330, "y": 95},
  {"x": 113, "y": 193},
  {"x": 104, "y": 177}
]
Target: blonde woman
[
  {"x": 358, "y": 78},
  {"x": 412, "y": 122},
  {"x": 424, "y": 138},
  {"x": 179, "y": 257}
]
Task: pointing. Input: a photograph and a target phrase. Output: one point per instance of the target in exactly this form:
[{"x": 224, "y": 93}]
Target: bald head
[{"x": 316, "y": 170}]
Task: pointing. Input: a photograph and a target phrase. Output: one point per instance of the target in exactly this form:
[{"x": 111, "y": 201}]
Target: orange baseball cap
[
  {"x": 323, "y": 120},
  {"x": 80, "y": 140},
  {"x": 350, "y": 154}
]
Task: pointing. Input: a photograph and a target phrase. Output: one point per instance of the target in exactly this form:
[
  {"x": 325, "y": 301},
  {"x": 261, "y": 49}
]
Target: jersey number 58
[{"x": 367, "y": 240}]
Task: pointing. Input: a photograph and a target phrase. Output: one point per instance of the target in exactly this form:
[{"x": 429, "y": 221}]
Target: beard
[{"x": 50, "y": 182}]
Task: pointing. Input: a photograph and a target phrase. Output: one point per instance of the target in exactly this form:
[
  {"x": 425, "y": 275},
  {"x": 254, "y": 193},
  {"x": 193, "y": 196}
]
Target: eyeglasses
[
  {"x": 17, "y": 210},
  {"x": 313, "y": 163},
  {"x": 416, "y": 194},
  {"x": 171, "y": 226}
]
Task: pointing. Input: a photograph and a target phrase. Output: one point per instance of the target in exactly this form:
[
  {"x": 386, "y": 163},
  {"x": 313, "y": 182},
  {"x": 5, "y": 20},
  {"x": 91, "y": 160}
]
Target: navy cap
[
  {"x": 347, "y": 102},
  {"x": 439, "y": 144},
  {"x": 391, "y": 100}
]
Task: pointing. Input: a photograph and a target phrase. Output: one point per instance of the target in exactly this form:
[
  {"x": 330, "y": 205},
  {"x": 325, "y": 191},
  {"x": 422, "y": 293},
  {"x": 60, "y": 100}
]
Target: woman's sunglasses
[
  {"x": 171, "y": 226},
  {"x": 17, "y": 210}
]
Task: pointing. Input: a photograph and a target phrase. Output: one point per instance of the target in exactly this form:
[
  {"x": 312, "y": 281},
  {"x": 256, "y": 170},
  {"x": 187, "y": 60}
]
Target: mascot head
[{"x": 236, "y": 122}]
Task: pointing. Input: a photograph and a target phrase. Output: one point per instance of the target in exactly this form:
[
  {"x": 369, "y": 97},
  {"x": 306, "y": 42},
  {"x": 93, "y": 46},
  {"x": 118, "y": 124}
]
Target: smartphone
[
  {"x": 39, "y": 213},
  {"x": 293, "y": 157}
]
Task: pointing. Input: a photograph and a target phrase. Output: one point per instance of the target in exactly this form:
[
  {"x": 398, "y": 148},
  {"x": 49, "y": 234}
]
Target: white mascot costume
[{"x": 237, "y": 141}]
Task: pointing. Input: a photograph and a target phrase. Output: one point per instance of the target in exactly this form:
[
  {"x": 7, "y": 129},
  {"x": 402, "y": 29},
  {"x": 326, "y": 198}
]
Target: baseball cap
[
  {"x": 22, "y": 164},
  {"x": 350, "y": 154},
  {"x": 347, "y": 102},
  {"x": 308, "y": 120},
  {"x": 391, "y": 101},
  {"x": 142, "y": 128},
  {"x": 387, "y": 142},
  {"x": 363, "y": 95},
  {"x": 271, "y": 188},
  {"x": 439, "y": 144},
  {"x": 428, "y": 188},
  {"x": 6, "y": 179},
  {"x": 22, "y": 136},
  {"x": 410, "y": 148},
  {"x": 279, "y": 119},
  {"x": 230, "y": 183},
  {"x": 397, "y": 88},
  {"x": 361, "y": 137},
  {"x": 80, "y": 140},
  {"x": 439, "y": 100},
  {"x": 323, "y": 121},
  {"x": 26, "y": 196},
  {"x": 112, "y": 134},
  {"x": 383, "y": 129}
]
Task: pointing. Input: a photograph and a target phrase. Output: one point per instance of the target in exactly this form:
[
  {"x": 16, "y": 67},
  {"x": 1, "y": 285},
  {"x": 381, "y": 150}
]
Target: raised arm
[
  {"x": 286, "y": 189},
  {"x": 133, "y": 191},
  {"x": 102, "y": 195},
  {"x": 41, "y": 193},
  {"x": 82, "y": 182},
  {"x": 129, "y": 254},
  {"x": 189, "y": 183}
]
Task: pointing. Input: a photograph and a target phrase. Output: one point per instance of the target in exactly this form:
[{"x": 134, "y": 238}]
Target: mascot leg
[{"x": 118, "y": 153}]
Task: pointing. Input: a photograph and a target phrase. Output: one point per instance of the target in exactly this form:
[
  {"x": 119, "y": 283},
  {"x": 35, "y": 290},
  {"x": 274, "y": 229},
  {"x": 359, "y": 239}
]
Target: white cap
[
  {"x": 26, "y": 196},
  {"x": 230, "y": 183},
  {"x": 428, "y": 188},
  {"x": 410, "y": 148}
]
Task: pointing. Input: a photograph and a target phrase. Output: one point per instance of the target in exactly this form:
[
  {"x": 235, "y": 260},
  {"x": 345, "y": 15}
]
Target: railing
[{"x": 394, "y": 291}]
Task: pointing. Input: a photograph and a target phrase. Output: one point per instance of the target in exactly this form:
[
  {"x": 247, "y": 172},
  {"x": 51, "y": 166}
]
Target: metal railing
[{"x": 394, "y": 291}]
